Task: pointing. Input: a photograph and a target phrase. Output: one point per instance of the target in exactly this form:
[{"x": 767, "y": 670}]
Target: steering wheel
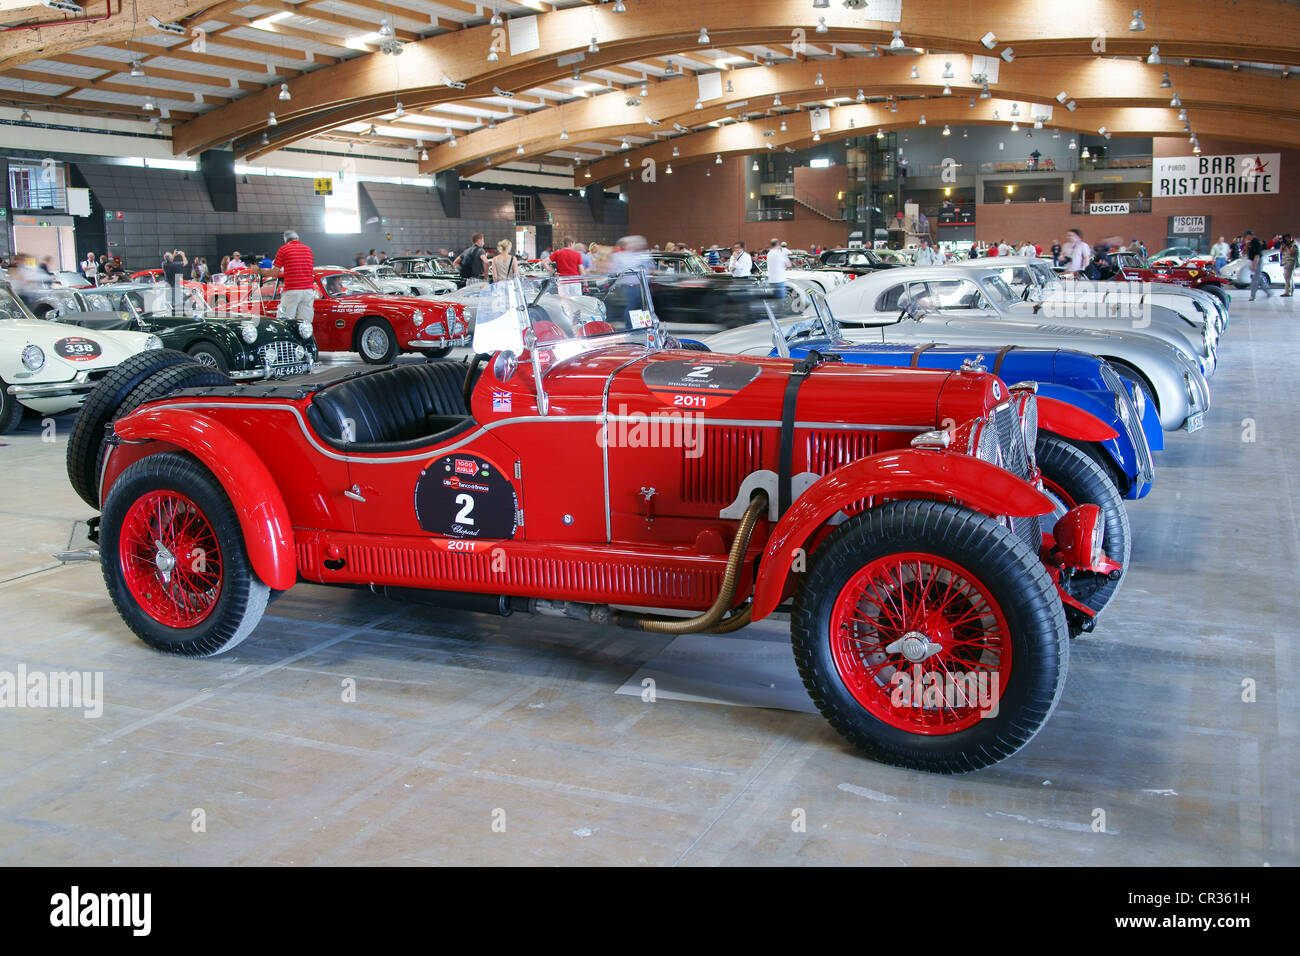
[{"x": 467, "y": 389}]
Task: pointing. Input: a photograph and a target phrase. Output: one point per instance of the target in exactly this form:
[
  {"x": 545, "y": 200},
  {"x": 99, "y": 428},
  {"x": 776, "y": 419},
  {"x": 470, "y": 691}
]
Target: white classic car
[
  {"x": 392, "y": 283},
  {"x": 1238, "y": 272},
  {"x": 50, "y": 367}
]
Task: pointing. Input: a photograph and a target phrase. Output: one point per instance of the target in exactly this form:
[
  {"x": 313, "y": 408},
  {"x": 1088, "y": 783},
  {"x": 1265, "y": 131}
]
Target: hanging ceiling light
[
  {"x": 148, "y": 103},
  {"x": 400, "y": 111},
  {"x": 861, "y": 97},
  {"x": 26, "y": 117},
  {"x": 619, "y": 7},
  {"x": 157, "y": 126},
  {"x": 897, "y": 42},
  {"x": 586, "y": 174},
  {"x": 821, "y": 4},
  {"x": 818, "y": 81},
  {"x": 386, "y": 29},
  {"x": 1175, "y": 101},
  {"x": 946, "y": 130},
  {"x": 730, "y": 88},
  {"x": 284, "y": 93},
  {"x": 564, "y": 133},
  {"x": 1182, "y": 115},
  {"x": 964, "y": 134},
  {"x": 1015, "y": 109},
  {"x": 645, "y": 89},
  {"x": 817, "y": 137},
  {"x": 496, "y": 18},
  {"x": 948, "y": 74},
  {"x": 627, "y": 163},
  {"x": 1085, "y": 154},
  {"x": 1015, "y": 127},
  {"x": 783, "y": 126},
  {"x": 703, "y": 39},
  {"x": 1137, "y": 24},
  {"x": 915, "y": 74},
  {"x": 717, "y": 160},
  {"x": 519, "y": 150},
  {"x": 947, "y": 90},
  {"x": 424, "y": 155},
  {"x": 893, "y": 107},
  {"x": 271, "y": 120},
  {"x": 1165, "y": 82},
  {"x": 492, "y": 54},
  {"x": 593, "y": 47},
  {"x": 676, "y": 151},
  {"x": 984, "y": 92},
  {"x": 452, "y": 141},
  {"x": 624, "y": 144},
  {"x": 1154, "y": 58},
  {"x": 821, "y": 25},
  {"x": 669, "y": 68},
  {"x": 1038, "y": 122},
  {"x": 776, "y": 100},
  {"x": 699, "y": 104},
  {"x": 669, "y": 170},
  {"x": 880, "y": 133},
  {"x": 972, "y": 103},
  {"x": 767, "y": 59},
  {"x": 922, "y": 119},
  {"x": 755, "y": 166},
  {"x": 136, "y": 68},
  {"x": 1072, "y": 145}
]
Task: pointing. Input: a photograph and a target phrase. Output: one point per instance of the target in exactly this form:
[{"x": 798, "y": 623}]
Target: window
[
  {"x": 955, "y": 294},
  {"x": 895, "y": 297},
  {"x": 822, "y": 163}
]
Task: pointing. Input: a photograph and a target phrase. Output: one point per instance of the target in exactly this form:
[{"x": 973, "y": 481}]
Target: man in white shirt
[
  {"x": 1080, "y": 252},
  {"x": 778, "y": 260},
  {"x": 926, "y": 256},
  {"x": 740, "y": 264},
  {"x": 1028, "y": 249},
  {"x": 1004, "y": 248}
]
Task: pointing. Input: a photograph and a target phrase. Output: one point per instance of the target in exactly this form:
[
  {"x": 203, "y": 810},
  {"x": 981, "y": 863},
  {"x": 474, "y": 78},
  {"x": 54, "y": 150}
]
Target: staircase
[{"x": 811, "y": 202}]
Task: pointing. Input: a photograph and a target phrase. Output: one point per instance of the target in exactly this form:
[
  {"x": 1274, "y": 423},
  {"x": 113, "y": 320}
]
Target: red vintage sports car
[
  {"x": 898, "y": 515},
  {"x": 1130, "y": 268},
  {"x": 353, "y": 315}
]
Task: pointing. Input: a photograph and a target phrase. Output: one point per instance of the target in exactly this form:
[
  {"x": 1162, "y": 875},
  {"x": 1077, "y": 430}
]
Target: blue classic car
[{"x": 1077, "y": 378}]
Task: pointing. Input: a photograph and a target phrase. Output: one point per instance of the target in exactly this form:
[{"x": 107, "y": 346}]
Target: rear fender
[
  {"x": 1068, "y": 421},
  {"x": 911, "y": 473},
  {"x": 263, "y": 516}
]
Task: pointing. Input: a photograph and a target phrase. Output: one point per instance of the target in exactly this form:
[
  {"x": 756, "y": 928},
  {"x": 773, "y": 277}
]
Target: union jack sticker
[{"x": 500, "y": 401}]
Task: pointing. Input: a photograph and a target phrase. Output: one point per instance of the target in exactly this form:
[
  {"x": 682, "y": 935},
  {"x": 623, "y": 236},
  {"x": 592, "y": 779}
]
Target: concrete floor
[{"x": 460, "y": 720}]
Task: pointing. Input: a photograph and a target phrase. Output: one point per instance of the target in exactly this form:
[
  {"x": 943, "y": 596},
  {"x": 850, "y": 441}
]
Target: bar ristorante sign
[{"x": 1249, "y": 174}]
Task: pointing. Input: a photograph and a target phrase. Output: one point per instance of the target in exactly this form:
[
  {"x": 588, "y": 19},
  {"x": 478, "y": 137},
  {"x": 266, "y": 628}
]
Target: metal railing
[{"x": 768, "y": 215}]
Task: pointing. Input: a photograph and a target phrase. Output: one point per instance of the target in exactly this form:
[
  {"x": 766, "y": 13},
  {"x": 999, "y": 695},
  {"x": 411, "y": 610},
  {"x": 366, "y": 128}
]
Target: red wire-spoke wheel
[
  {"x": 174, "y": 558},
  {"x": 171, "y": 560},
  {"x": 905, "y": 629},
  {"x": 921, "y": 643}
]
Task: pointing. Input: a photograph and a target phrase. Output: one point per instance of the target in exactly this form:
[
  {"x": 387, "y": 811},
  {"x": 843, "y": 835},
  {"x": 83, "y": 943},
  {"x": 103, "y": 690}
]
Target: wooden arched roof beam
[
  {"x": 745, "y": 138},
  {"x": 1089, "y": 83},
  {"x": 340, "y": 93}
]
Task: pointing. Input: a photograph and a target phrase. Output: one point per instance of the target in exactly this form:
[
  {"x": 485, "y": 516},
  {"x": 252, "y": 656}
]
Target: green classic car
[{"x": 243, "y": 346}]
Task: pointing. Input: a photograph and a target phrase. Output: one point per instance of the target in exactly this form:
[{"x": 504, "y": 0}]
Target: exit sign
[{"x": 325, "y": 187}]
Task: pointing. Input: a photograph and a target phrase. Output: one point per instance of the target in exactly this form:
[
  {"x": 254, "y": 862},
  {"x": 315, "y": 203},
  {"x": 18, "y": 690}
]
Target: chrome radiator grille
[
  {"x": 1011, "y": 440},
  {"x": 1146, "y": 467},
  {"x": 280, "y": 353}
]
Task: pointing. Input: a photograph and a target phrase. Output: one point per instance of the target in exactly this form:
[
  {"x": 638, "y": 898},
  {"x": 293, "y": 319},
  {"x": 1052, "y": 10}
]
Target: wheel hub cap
[
  {"x": 164, "y": 561},
  {"x": 915, "y": 646}
]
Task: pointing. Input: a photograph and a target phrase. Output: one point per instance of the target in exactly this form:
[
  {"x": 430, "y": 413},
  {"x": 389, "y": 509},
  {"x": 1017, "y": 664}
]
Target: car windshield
[
  {"x": 999, "y": 290},
  {"x": 11, "y": 307},
  {"x": 342, "y": 284},
  {"x": 565, "y": 316},
  {"x": 65, "y": 300}
]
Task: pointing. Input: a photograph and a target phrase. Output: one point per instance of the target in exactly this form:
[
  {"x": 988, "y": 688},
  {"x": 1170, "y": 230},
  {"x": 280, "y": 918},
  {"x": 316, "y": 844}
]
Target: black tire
[
  {"x": 436, "y": 353},
  {"x": 242, "y": 595},
  {"x": 11, "y": 410},
  {"x": 100, "y": 408},
  {"x": 205, "y": 353},
  {"x": 367, "y": 341},
  {"x": 1069, "y": 470},
  {"x": 1005, "y": 567}
]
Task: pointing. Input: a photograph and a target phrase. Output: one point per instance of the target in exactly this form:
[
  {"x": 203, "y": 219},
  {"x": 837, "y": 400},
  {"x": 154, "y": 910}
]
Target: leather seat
[{"x": 402, "y": 406}]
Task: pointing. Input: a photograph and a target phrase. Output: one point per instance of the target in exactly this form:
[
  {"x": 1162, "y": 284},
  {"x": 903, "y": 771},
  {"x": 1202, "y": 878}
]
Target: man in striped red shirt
[{"x": 293, "y": 264}]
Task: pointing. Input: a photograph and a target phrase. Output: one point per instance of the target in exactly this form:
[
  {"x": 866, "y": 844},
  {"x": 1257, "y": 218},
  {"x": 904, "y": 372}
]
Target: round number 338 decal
[
  {"x": 464, "y": 496},
  {"x": 77, "y": 349}
]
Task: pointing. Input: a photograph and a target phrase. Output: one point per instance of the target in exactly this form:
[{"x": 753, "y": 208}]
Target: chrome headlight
[
  {"x": 417, "y": 317},
  {"x": 304, "y": 330},
  {"x": 1139, "y": 399},
  {"x": 299, "y": 352},
  {"x": 34, "y": 358},
  {"x": 153, "y": 342},
  {"x": 1028, "y": 403},
  {"x": 248, "y": 332}
]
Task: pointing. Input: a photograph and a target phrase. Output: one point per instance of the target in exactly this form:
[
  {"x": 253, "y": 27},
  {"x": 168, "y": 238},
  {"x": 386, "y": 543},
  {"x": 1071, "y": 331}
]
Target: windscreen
[{"x": 343, "y": 284}]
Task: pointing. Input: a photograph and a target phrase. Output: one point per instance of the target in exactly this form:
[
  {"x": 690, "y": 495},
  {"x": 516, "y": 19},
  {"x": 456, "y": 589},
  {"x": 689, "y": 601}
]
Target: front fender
[
  {"x": 1119, "y": 449},
  {"x": 263, "y": 516},
  {"x": 1069, "y": 421},
  {"x": 910, "y": 473}
]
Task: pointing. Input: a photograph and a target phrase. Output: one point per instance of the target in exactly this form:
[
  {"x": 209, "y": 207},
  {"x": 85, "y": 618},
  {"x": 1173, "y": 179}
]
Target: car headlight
[
  {"x": 304, "y": 330},
  {"x": 248, "y": 332},
  {"x": 34, "y": 358},
  {"x": 417, "y": 317},
  {"x": 153, "y": 342},
  {"x": 1029, "y": 420},
  {"x": 299, "y": 352},
  {"x": 1139, "y": 399}
]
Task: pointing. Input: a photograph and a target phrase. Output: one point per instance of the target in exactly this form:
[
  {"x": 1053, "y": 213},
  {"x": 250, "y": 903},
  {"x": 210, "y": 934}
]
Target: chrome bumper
[
  {"x": 438, "y": 343},
  {"x": 52, "y": 389}
]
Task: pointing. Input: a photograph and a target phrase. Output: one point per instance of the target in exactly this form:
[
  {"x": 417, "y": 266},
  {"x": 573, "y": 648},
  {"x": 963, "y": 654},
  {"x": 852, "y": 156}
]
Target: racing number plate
[
  {"x": 704, "y": 384},
  {"x": 1195, "y": 421},
  {"x": 465, "y": 496},
  {"x": 280, "y": 371}
]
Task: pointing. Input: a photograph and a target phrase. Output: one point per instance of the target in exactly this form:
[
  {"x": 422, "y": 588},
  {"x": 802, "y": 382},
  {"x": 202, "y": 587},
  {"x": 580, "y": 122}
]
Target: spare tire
[
  {"x": 100, "y": 408},
  {"x": 162, "y": 381}
]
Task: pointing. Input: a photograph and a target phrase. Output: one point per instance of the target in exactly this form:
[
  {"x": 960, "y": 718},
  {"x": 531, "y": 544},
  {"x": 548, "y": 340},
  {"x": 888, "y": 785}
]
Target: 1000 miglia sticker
[
  {"x": 465, "y": 496},
  {"x": 683, "y": 383}
]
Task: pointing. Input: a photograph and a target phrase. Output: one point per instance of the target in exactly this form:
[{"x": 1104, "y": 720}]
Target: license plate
[
  {"x": 1195, "y": 421},
  {"x": 280, "y": 371}
]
